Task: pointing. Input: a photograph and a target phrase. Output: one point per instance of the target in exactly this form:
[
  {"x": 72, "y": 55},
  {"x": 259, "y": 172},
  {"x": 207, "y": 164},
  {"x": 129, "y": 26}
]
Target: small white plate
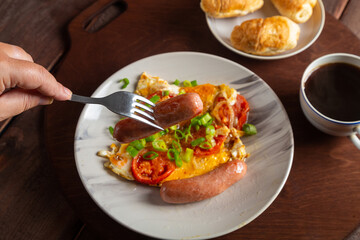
[
  {"x": 221, "y": 28},
  {"x": 140, "y": 207}
]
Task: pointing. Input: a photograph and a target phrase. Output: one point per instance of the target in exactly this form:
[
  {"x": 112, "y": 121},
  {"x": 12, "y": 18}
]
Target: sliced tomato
[
  {"x": 152, "y": 171},
  {"x": 219, "y": 140},
  {"x": 241, "y": 109},
  {"x": 224, "y": 113}
]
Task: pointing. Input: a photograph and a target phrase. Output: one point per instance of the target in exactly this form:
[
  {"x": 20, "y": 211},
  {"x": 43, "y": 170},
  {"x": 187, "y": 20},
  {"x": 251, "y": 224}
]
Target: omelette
[{"x": 189, "y": 148}]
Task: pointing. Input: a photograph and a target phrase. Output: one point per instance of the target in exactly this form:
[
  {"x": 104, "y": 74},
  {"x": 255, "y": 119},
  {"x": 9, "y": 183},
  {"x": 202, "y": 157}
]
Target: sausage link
[
  {"x": 204, "y": 186},
  {"x": 167, "y": 113}
]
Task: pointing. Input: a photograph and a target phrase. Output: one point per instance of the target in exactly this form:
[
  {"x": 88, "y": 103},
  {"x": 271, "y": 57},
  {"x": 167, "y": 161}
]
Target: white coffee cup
[{"x": 316, "y": 118}]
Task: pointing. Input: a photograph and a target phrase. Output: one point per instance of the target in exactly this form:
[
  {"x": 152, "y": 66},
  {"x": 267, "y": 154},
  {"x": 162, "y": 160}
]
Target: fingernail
[
  {"x": 67, "y": 92},
  {"x": 45, "y": 101}
]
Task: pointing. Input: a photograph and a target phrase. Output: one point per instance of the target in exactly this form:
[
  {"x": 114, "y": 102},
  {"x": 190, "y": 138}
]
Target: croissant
[
  {"x": 269, "y": 36},
  {"x": 230, "y": 8},
  {"x": 297, "y": 10}
]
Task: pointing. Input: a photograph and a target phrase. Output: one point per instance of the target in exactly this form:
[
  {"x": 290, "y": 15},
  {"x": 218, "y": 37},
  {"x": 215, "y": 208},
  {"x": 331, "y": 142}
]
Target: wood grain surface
[
  {"x": 323, "y": 165},
  {"x": 32, "y": 205}
]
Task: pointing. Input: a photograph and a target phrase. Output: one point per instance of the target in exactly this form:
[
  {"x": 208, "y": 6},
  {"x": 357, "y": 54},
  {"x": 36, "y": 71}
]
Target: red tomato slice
[
  {"x": 240, "y": 108},
  {"x": 200, "y": 152},
  {"x": 151, "y": 171}
]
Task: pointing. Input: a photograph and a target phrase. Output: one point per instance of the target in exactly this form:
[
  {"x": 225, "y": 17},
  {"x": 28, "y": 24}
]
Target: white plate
[
  {"x": 139, "y": 207},
  {"x": 309, "y": 31}
]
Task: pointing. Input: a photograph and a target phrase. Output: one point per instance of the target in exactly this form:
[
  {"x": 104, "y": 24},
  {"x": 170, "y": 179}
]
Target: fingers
[
  {"x": 16, "y": 52},
  {"x": 19, "y": 100},
  {"x": 31, "y": 76}
]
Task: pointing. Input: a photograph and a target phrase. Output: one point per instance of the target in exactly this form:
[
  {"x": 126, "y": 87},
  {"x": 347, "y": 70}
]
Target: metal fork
[{"x": 124, "y": 103}]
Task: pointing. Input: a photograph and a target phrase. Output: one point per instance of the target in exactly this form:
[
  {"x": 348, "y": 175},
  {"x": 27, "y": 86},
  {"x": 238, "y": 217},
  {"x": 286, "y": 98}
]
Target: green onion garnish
[
  {"x": 194, "y": 83},
  {"x": 152, "y": 137},
  {"x": 138, "y": 144},
  {"x": 249, "y": 129},
  {"x": 111, "y": 130},
  {"x": 177, "y": 82},
  {"x": 188, "y": 155},
  {"x": 165, "y": 93},
  {"x": 182, "y": 91},
  {"x": 163, "y": 132},
  {"x": 132, "y": 151},
  {"x": 126, "y": 82},
  {"x": 159, "y": 145},
  {"x": 197, "y": 141},
  {"x": 173, "y": 127},
  {"x": 187, "y": 83},
  {"x": 150, "y": 155},
  {"x": 178, "y": 134},
  {"x": 178, "y": 160},
  {"x": 210, "y": 130},
  {"x": 171, "y": 154},
  {"x": 205, "y": 145},
  {"x": 205, "y": 118},
  {"x": 176, "y": 145},
  {"x": 155, "y": 98}
]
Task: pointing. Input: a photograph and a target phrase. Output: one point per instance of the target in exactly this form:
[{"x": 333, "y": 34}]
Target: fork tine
[
  {"x": 137, "y": 104},
  {"x": 138, "y": 111},
  {"x": 145, "y": 121},
  {"x": 145, "y": 100}
]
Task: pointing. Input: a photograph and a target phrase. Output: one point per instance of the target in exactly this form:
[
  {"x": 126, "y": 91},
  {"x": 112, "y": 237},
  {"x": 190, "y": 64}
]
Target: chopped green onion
[
  {"x": 165, "y": 131},
  {"x": 155, "y": 98},
  {"x": 178, "y": 160},
  {"x": 194, "y": 83},
  {"x": 159, "y": 145},
  {"x": 177, "y": 82},
  {"x": 173, "y": 152},
  {"x": 182, "y": 91},
  {"x": 187, "y": 83},
  {"x": 176, "y": 145},
  {"x": 205, "y": 118},
  {"x": 165, "y": 93},
  {"x": 205, "y": 145},
  {"x": 249, "y": 129},
  {"x": 150, "y": 155},
  {"x": 126, "y": 82},
  {"x": 111, "y": 130},
  {"x": 138, "y": 144},
  {"x": 209, "y": 122},
  {"x": 178, "y": 134},
  {"x": 132, "y": 151},
  {"x": 188, "y": 133},
  {"x": 197, "y": 141},
  {"x": 210, "y": 130},
  {"x": 152, "y": 137},
  {"x": 173, "y": 127},
  {"x": 188, "y": 155}
]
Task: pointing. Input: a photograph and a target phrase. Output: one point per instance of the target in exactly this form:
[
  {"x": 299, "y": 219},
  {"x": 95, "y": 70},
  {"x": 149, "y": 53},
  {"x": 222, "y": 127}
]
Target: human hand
[{"x": 25, "y": 84}]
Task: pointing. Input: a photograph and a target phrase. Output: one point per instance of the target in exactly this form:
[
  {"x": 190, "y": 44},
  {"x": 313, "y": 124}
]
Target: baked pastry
[
  {"x": 230, "y": 8},
  {"x": 297, "y": 10},
  {"x": 269, "y": 36}
]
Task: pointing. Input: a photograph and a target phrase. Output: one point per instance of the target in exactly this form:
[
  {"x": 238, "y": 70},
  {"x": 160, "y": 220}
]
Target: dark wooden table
[{"x": 32, "y": 204}]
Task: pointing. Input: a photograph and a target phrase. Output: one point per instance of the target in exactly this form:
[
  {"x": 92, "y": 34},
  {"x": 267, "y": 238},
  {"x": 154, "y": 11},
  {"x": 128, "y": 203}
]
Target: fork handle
[{"x": 82, "y": 99}]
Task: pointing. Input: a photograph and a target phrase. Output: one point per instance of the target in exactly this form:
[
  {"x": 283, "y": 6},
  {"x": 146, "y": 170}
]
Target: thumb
[{"x": 19, "y": 100}]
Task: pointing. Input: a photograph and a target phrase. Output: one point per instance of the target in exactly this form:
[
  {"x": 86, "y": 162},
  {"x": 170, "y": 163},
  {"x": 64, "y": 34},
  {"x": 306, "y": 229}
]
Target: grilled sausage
[
  {"x": 167, "y": 113},
  {"x": 204, "y": 186}
]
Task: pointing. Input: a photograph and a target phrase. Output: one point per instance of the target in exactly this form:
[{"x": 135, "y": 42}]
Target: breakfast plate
[
  {"x": 221, "y": 28},
  {"x": 140, "y": 207}
]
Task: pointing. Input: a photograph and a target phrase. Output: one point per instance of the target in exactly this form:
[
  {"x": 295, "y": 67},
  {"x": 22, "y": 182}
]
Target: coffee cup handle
[{"x": 354, "y": 138}]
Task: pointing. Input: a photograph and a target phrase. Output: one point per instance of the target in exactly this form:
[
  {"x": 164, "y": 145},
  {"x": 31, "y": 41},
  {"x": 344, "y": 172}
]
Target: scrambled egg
[{"x": 230, "y": 148}]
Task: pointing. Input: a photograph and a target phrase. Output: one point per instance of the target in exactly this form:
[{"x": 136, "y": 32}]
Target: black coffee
[{"x": 334, "y": 90}]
